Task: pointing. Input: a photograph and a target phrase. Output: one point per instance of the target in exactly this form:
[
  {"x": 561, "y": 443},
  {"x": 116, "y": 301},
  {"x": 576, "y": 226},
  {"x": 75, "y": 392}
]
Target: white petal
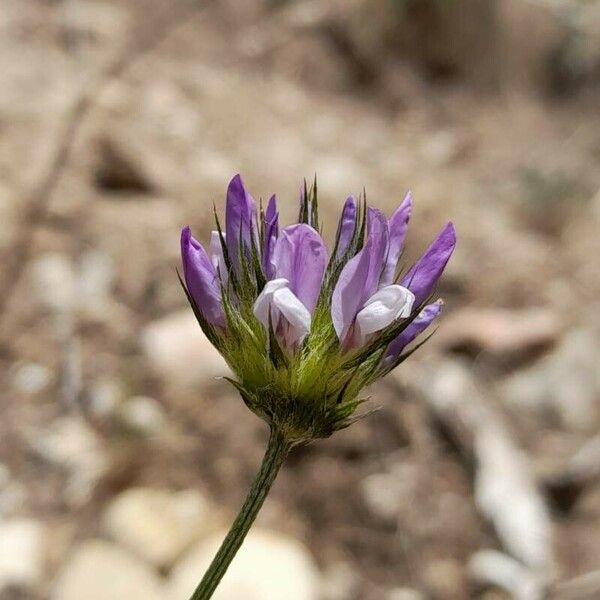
[
  {"x": 295, "y": 313},
  {"x": 384, "y": 307},
  {"x": 262, "y": 305}
]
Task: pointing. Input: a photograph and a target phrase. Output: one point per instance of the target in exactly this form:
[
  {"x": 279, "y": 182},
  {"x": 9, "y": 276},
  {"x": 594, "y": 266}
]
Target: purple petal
[
  {"x": 359, "y": 278},
  {"x": 398, "y": 227},
  {"x": 377, "y": 245},
  {"x": 424, "y": 274},
  {"x": 418, "y": 326},
  {"x": 240, "y": 219},
  {"x": 301, "y": 257},
  {"x": 201, "y": 279},
  {"x": 271, "y": 234},
  {"x": 346, "y": 226},
  {"x": 347, "y": 297}
]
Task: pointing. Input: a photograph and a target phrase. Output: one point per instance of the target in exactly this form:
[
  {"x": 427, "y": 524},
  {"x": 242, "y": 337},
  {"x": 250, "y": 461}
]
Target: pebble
[
  {"x": 567, "y": 382},
  {"x": 490, "y": 567},
  {"x": 500, "y": 332},
  {"x": 404, "y": 593},
  {"x": 71, "y": 444},
  {"x": 339, "y": 582},
  {"x": 98, "y": 570},
  {"x": 96, "y": 275},
  {"x": 177, "y": 349},
  {"x": 105, "y": 397},
  {"x": 142, "y": 415},
  {"x": 445, "y": 579},
  {"x": 21, "y": 553},
  {"x": 269, "y": 566},
  {"x": 157, "y": 525},
  {"x": 31, "y": 378},
  {"x": 53, "y": 281}
]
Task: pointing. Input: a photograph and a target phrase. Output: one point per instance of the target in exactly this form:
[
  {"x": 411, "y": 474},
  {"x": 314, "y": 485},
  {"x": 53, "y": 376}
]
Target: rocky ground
[{"x": 123, "y": 457}]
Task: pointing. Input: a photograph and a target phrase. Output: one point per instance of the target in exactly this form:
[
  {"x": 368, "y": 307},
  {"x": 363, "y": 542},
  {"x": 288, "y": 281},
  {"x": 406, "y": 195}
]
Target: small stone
[
  {"x": 490, "y": 567},
  {"x": 142, "y": 415},
  {"x": 71, "y": 444},
  {"x": 268, "y": 565},
  {"x": 445, "y": 579},
  {"x": 380, "y": 491},
  {"x": 339, "y": 582},
  {"x": 21, "y": 553},
  {"x": 178, "y": 350},
  {"x": 500, "y": 332},
  {"x": 102, "y": 571},
  {"x": 567, "y": 382},
  {"x": 53, "y": 281},
  {"x": 31, "y": 378},
  {"x": 404, "y": 593},
  {"x": 386, "y": 493},
  {"x": 105, "y": 396},
  {"x": 96, "y": 274},
  {"x": 157, "y": 525}
]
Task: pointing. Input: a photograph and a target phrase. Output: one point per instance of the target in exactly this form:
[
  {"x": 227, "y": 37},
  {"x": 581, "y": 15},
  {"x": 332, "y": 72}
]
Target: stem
[{"x": 275, "y": 454}]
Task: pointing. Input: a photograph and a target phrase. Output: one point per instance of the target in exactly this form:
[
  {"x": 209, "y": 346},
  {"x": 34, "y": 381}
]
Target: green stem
[{"x": 275, "y": 454}]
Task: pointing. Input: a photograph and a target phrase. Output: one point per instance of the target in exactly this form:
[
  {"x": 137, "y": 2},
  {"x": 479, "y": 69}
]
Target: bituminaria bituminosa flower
[{"x": 305, "y": 330}]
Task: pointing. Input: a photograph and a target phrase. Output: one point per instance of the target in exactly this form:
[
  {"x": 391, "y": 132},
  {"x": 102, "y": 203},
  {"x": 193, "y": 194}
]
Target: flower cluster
[{"x": 304, "y": 330}]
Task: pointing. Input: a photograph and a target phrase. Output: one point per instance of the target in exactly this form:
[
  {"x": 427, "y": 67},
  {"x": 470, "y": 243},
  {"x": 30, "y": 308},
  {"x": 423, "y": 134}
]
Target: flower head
[{"x": 304, "y": 330}]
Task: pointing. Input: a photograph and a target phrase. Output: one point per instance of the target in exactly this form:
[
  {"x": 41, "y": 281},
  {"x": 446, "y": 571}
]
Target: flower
[{"x": 305, "y": 331}]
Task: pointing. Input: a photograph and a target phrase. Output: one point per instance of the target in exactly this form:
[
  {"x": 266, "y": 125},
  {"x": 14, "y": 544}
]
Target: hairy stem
[{"x": 275, "y": 454}]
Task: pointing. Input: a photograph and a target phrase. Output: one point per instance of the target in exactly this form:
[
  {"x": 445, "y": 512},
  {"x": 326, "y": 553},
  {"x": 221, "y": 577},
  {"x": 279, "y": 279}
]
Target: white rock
[
  {"x": 96, "y": 274},
  {"x": 70, "y": 443},
  {"x": 491, "y": 567},
  {"x": 142, "y": 415},
  {"x": 339, "y": 582},
  {"x": 177, "y": 349},
  {"x": 102, "y": 571},
  {"x": 386, "y": 493},
  {"x": 269, "y": 566},
  {"x": 105, "y": 397},
  {"x": 53, "y": 281},
  {"x": 380, "y": 492},
  {"x": 21, "y": 553},
  {"x": 31, "y": 378},
  {"x": 404, "y": 593},
  {"x": 157, "y": 525},
  {"x": 506, "y": 490},
  {"x": 498, "y": 331},
  {"x": 567, "y": 382}
]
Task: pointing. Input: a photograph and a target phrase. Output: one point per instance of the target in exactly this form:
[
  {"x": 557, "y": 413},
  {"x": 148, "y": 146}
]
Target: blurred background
[{"x": 123, "y": 457}]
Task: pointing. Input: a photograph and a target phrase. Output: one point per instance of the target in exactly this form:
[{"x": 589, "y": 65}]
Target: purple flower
[
  {"x": 346, "y": 226},
  {"x": 279, "y": 278},
  {"x": 299, "y": 261},
  {"x": 425, "y": 273},
  {"x": 240, "y": 222},
  {"x": 360, "y": 304},
  {"x": 299, "y": 328},
  {"x": 364, "y": 300},
  {"x": 421, "y": 322},
  {"x": 201, "y": 279},
  {"x": 398, "y": 225}
]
